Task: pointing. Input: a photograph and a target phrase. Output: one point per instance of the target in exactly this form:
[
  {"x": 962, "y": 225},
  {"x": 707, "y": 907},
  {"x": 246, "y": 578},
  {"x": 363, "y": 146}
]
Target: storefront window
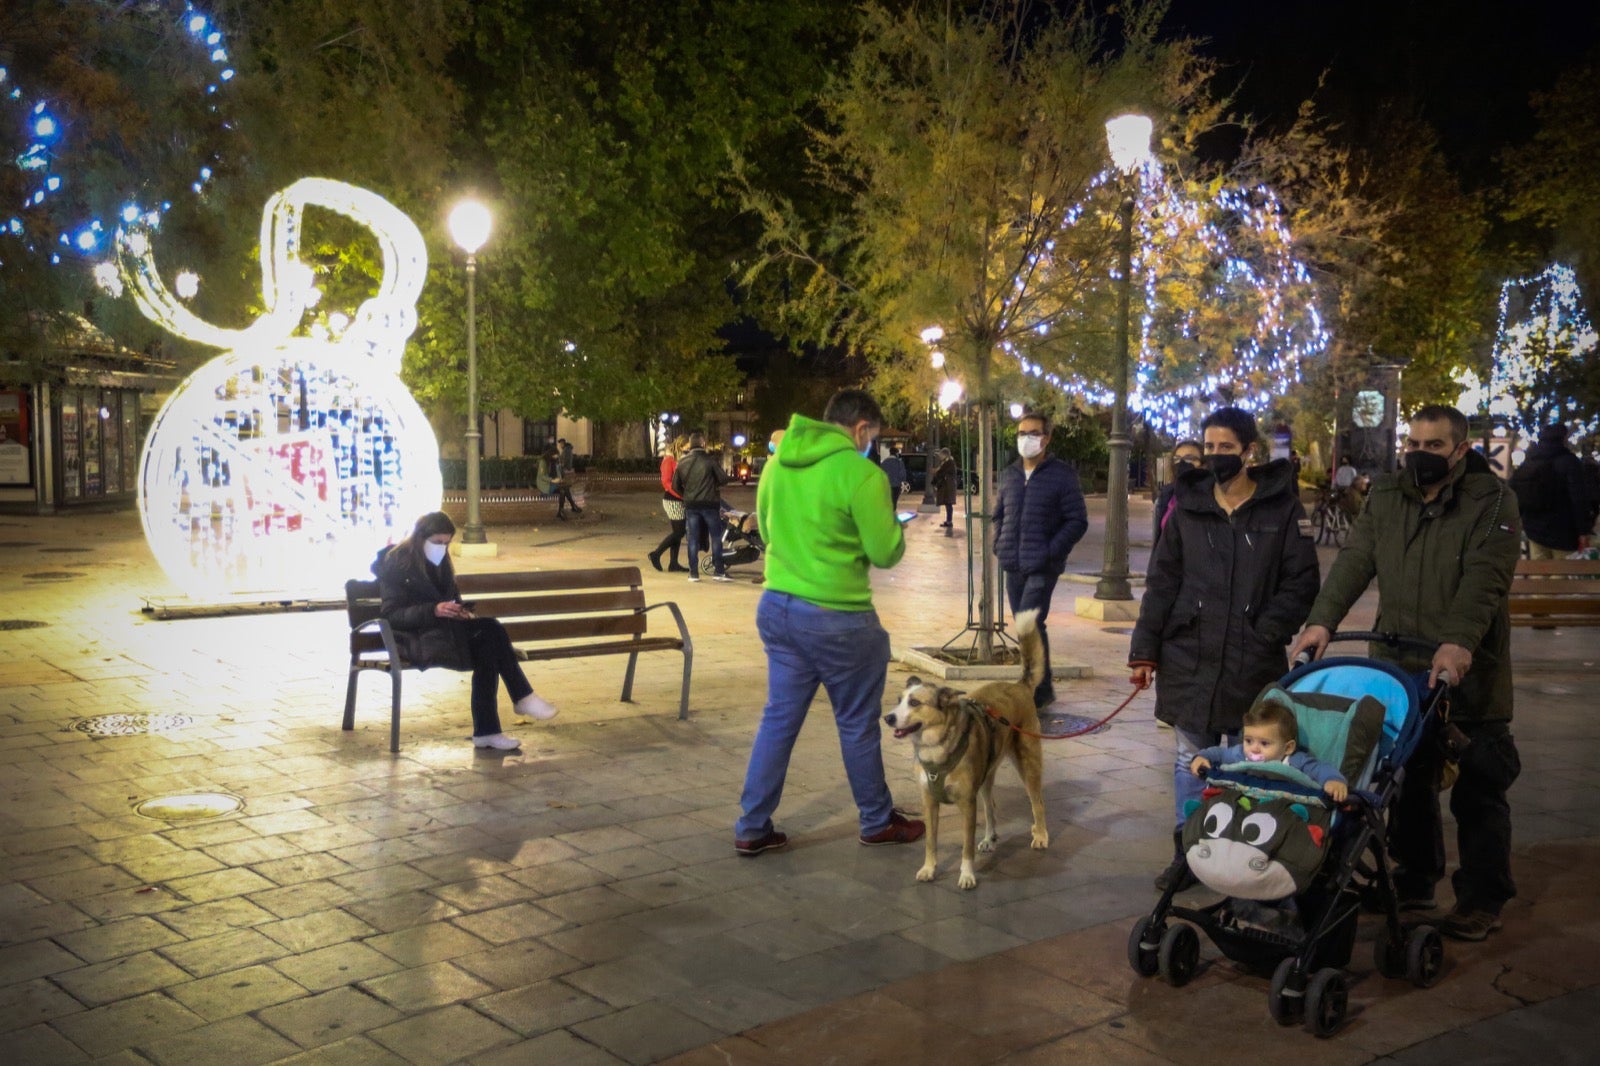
[
  {"x": 71, "y": 447},
  {"x": 92, "y": 418},
  {"x": 111, "y": 421},
  {"x": 130, "y": 440}
]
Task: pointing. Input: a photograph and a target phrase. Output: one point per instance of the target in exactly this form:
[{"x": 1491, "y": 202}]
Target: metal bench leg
[
  {"x": 394, "y": 721},
  {"x": 350, "y": 699},
  {"x": 627, "y": 679},
  {"x": 683, "y": 700}
]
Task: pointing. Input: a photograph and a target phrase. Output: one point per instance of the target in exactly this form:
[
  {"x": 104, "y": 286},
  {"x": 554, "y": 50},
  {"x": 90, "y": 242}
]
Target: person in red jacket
[{"x": 672, "y": 504}]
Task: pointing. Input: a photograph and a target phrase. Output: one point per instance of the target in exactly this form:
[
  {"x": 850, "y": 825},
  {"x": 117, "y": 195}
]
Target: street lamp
[
  {"x": 931, "y": 336},
  {"x": 469, "y": 227},
  {"x": 1128, "y": 139}
]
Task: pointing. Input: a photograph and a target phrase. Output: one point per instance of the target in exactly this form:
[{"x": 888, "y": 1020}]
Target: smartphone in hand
[{"x": 904, "y": 516}]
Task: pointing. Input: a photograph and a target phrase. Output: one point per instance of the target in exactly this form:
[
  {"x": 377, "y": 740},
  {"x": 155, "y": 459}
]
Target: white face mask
[
  {"x": 1029, "y": 447},
  {"x": 435, "y": 553}
]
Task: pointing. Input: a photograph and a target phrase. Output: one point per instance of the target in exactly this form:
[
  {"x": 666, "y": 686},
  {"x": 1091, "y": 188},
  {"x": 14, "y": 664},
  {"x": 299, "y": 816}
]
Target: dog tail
[{"x": 1032, "y": 648}]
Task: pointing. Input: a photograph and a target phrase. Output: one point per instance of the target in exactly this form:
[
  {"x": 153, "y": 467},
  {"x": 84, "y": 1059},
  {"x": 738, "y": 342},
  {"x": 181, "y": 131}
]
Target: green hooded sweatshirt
[{"x": 826, "y": 514}]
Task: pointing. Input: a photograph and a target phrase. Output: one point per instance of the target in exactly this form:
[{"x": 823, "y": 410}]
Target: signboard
[{"x": 16, "y": 445}]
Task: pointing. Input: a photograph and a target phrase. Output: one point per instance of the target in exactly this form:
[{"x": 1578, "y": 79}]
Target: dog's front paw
[
  {"x": 988, "y": 842},
  {"x": 1041, "y": 839},
  {"x": 968, "y": 878},
  {"x": 926, "y": 873}
]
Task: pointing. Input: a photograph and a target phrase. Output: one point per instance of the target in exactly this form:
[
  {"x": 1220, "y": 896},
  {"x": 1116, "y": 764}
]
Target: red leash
[{"x": 1063, "y": 736}]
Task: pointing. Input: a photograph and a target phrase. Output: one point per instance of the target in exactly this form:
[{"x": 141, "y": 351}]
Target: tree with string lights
[{"x": 1546, "y": 355}]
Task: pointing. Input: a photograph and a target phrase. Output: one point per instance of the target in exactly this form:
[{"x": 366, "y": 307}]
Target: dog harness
[{"x": 937, "y": 776}]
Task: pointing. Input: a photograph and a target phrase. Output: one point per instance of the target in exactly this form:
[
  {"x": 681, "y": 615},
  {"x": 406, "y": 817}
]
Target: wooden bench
[
  {"x": 553, "y": 614},
  {"x": 1556, "y": 592}
]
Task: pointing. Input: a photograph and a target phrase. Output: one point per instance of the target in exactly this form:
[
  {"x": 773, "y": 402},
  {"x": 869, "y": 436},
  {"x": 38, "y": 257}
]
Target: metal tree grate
[
  {"x": 1060, "y": 723},
  {"x": 129, "y": 725},
  {"x": 20, "y": 623}
]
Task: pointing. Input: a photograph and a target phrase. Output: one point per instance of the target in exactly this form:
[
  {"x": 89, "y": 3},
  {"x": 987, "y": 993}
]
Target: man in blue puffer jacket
[{"x": 1039, "y": 517}]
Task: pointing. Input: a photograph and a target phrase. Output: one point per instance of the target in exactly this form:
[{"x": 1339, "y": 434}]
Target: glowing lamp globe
[
  {"x": 950, "y": 394},
  {"x": 1128, "y": 138},
  {"x": 469, "y": 226},
  {"x": 284, "y": 464},
  {"x": 1016, "y": 410},
  {"x": 933, "y": 335}
]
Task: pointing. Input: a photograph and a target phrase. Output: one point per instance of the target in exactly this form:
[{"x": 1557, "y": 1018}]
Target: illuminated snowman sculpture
[{"x": 280, "y": 466}]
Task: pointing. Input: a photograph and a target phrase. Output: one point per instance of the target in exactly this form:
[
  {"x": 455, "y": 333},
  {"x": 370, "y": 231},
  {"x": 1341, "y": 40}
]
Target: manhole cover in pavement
[
  {"x": 1121, "y": 631},
  {"x": 189, "y": 807},
  {"x": 66, "y": 549},
  {"x": 1060, "y": 723},
  {"x": 20, "y": 543},
  {"x": 128, "y": 725},
  {"x": 20, "y": 623},
  {"x": 53, "y": 575}
]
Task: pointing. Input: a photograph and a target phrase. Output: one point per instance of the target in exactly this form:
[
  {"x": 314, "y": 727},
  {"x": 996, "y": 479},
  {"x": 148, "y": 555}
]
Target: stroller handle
[{"x": 1393, "y": 640}]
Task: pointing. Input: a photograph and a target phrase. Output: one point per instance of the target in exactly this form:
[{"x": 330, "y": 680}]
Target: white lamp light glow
[
  {"x": 1128, "y": 138},
  {"x": 469, "y": 226},
  {"x": 283, "y": 464},
  {"x": 950, "y": 394}
]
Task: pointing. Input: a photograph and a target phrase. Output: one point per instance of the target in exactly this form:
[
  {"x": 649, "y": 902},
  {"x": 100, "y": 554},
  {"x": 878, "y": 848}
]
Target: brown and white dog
[{"x": 959, "y": 741}]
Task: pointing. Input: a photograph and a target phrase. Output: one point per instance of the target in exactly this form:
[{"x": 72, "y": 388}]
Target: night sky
[{"x": 1467, "y": 65}]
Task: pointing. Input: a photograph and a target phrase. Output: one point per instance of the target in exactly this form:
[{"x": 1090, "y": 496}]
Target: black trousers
[
  {"x": 493, "y": 661},
  {"x": 1028, "y": 592},
  {"x": 1483, "y": 820},
  {"x": 673, "y": 539}
]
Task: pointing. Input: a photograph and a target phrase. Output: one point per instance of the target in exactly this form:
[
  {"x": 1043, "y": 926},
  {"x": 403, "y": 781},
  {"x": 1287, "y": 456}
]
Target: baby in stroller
[{"x": 1271, "y": 734}]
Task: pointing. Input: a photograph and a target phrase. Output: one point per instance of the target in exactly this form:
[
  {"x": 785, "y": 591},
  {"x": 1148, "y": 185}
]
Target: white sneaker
[
  {"x": 497, "y": 740},
  {"x": 695, "y": 578},
  {"x": 531, "y": 706},
  {"x": 720, "y": 577}
]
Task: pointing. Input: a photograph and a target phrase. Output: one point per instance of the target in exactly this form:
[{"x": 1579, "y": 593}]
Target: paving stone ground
[{"x": 579, "y": 901}]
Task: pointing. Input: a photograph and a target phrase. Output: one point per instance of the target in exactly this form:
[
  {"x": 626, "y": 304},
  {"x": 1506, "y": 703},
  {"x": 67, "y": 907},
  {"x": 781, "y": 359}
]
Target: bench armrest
[
  {"x": 385, "y": 633},
  {"x": 677, "y": 616}
]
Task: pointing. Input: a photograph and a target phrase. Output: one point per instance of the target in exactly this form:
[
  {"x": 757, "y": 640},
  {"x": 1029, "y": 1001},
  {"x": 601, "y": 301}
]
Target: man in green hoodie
[
  {"x": 1442, "y": 538},
  {"x": 824, "y": 510}
]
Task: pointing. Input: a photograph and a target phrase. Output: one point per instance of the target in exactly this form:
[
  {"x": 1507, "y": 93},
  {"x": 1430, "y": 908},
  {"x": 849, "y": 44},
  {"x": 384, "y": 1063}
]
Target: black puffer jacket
[
  {"x": 410, "y": 588},
  {"x": 1566, "y": 489},
  {"x": 1223, "y": 596},
  {"x": 1038, "y": 519}
]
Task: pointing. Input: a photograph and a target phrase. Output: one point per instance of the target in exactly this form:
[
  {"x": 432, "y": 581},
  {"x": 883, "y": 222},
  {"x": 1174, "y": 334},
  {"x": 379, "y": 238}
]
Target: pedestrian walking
[
  {"x": 894, "y": 468},
  {"x": 824, "y": 510},
  {"x": 699, "y": 480},
  {"x": 1553, "y": 496},
  {"x": 1186, "y": 455},
  {"x": 943, "y": 479},
  {"x": 672, "y": 505}
]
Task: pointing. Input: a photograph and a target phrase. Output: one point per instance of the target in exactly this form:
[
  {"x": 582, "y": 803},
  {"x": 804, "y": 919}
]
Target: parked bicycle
[{"x": 1331, "y": 517}]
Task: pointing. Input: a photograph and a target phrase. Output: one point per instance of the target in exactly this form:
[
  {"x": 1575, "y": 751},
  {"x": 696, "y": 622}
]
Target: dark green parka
[
  {"x": 1222, "y": 598},
  {"x": 1444, "y": 569}
]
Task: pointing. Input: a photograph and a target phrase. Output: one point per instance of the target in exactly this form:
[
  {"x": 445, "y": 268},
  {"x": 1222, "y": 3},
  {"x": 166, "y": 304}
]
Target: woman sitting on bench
[{"x": 432, "y": 627}]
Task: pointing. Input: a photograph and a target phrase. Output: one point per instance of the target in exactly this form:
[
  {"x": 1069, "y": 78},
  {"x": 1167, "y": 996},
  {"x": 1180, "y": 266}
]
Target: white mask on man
[
  {"x": 1029, "y": 447},
  {"x": 435, "y": 553}
]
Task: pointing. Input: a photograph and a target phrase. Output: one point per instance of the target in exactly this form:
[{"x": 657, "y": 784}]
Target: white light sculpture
[{"x": 283, "y": 464}]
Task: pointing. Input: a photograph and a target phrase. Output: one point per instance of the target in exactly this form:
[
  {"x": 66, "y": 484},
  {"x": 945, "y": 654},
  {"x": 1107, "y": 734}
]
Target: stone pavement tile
[
  {"x": 322, "y": 1019},
  {"x": 1165, "y": 1021},
  {"x": 48, "y": 863},
  {"x": 201, "y": 836},
  {"x": 34, "y": 958},
  {"x": 171, "y": 866},
  {"x": 254, "y": 849},
  {"x": 128, "y": 849},
  {"x": 786, "y": 938},
  {"x": 113, "y": 906},
  {"x": 523, "y": 853},
  {"x": 393, "y": 912},
  {"x": 631, "y": 979},
  {"x": 729, "y": 1051},
  {"x": 292, "y": 901},
  {"x": 445, "y": 1035},
  {"x": 1005, "y": 1001},
  {"x": 481, "y": 894},
  {"x": 125, "y": 937},
  {"x": 436, "y": 984},
  {"x": 1101, "y": 1046},
  {"x": 885, "y": 957},
  {"x": 556, "y": 878},
  {"x": 870, "y": 1028},
  {"x": 351, "y": 1051},
  {"x": 384, "y": 881},
  {"x": 42, "y": 1044},
  {"x": 666, "y": 827},
  {"x": 222, "y": 884},
  {"x": 646, "y": 1033},
  {"x": 127, "y": 1023},
  {"x": 120, "y": 978},
  {"x": 592, "y": 904},
  {"x": 453, "y": 839},
  {"x": 33, "y": 1002},
  {"x": 224, "y": 951},
  {"x": 235, "y": 1041},
  {"x": 515, "y": 965},
  {"x": 814, "y": 980},
  {"x": 421, "y": 944},
  {"x": 732, "y": 1006},
  {"x": 206, "y": 919},
  {"x": 284, "y": 822},
  {"x": 702, "y": 916},
  {"x": 461, "y": 867},
  {"x": 667, "y": 886},
  {"x": 602, "y": 839},
  {"x": 316, "y": 930},
  {"x": 630, "y": 862},
  {"x": 556, "y": 1047},
  {"x": 595, "y": 942},
  {"x": 961, "y": 937},
  {"x": 240, "y": 991},
  {"x": 372, "y": 854},
  {"x": 330, "y": 967},
  {"x": 35, "y": 923},
  {"x": 541, "y": 1006},
  {"x": 516, "y": 922}
]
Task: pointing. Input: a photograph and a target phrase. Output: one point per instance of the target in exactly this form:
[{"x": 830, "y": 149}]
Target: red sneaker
[
  {"x": 771, "y": 842},
  {"x": 900, "y": 830}
]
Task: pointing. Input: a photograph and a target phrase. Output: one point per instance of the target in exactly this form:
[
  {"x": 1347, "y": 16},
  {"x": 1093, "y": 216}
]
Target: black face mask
[
  {"x": 1427, "y": 468},
  {"x": 1225, "y": 467},
  {"x": 1179, "y": 466}
]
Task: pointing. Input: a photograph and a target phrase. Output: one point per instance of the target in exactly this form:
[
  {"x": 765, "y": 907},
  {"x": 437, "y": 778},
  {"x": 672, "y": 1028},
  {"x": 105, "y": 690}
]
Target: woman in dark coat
[
  {"x": 1230, "y": 583},
  {"x": 1186, "y": 455},
  {"x": 944, "y": 485},
  {"x": 432, "y": 627}
]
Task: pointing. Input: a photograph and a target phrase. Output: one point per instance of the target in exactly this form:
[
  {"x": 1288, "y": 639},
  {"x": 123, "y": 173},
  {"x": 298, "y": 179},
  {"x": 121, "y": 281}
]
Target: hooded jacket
[
  {"x": 1223, "y": 596},
  {"x": 825, "y": 513},
  {"x": 1559, "y": 527},
  {"x": 1444, "y": 571},
  {"x": 1038, "y": 519}
]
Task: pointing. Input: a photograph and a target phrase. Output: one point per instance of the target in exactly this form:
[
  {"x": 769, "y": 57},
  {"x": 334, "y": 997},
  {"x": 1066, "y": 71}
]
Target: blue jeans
[
  {"x": 846, "y": 652},
  {"x": 1028, "y": 592},
  {"x": 1185, "y": 785},
  {"x": 704, "y": 522}
]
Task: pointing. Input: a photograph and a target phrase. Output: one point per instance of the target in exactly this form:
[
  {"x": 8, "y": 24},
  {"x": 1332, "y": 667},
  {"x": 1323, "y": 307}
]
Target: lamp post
[
  {"x": 931, "y": 336},
  {"x": 1128, "y": 138},
  {"x": 469, "y": 227}
]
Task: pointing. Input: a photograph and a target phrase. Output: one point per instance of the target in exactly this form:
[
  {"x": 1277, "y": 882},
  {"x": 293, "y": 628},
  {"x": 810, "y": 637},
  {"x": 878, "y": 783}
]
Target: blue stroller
[{"x": 1267, "y": 836}]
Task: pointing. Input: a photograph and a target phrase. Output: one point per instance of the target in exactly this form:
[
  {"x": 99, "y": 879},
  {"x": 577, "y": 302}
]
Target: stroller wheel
[
  {"x": 1424, "y": 956},
  {"x": 1326, "y": 998},
  {"x": 1142, "y": 947},
  {"x": 1178, "y": 955},
  {"x": 707, "y": 565},
  {"x": 1286, "y": 997},
  {"x": 1389, "y": 958}
]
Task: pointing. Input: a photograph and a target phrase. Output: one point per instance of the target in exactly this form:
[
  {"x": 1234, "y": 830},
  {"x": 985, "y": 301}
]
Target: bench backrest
[
  {"x": 548, "y": 605},
  {"x": 1557, "y": 590}
]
